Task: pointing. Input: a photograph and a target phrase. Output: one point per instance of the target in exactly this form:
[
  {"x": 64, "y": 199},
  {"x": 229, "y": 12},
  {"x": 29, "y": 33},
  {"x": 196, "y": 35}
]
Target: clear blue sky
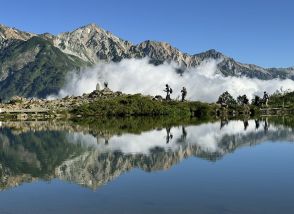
[{"x": 251, "y": 31}]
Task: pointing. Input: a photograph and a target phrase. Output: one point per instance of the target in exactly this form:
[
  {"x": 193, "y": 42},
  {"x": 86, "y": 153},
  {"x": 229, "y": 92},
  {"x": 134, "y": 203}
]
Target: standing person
[
  {"x": 184, "y": 93},
  {"x": 265, "y": 98},
  {"x": 168, "y": 91}
]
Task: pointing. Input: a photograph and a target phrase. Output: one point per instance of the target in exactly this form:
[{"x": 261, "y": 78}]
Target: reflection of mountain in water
[
  {"x": 78, "y": 155},
  {"x": 30, "y": 155}
]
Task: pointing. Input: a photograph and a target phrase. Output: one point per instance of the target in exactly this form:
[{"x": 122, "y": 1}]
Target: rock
[
  {"x": 158, "y": 97},
  {"x": 98, "y": 87}
]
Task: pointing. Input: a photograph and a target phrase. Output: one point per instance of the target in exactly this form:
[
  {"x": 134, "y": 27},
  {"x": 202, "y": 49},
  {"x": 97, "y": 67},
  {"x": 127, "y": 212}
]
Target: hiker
[
  {"x": 168, "y": 91},
  {"x": 184, "y": 93},
  {"x": 265, "y": 98},
  {"x": 105, "y": 84}
]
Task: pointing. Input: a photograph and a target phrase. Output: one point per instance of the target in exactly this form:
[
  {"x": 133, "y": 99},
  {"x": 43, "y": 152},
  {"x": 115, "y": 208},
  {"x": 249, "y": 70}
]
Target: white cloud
[{"x": 139, "y": 76}]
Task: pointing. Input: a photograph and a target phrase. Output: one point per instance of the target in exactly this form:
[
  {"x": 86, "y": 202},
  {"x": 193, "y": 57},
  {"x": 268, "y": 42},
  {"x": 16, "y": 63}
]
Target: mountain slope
[{"x": 34, "y": 68}]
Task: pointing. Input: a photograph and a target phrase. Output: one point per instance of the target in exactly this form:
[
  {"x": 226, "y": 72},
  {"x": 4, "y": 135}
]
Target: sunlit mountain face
[{"x": 93, "y": 156}]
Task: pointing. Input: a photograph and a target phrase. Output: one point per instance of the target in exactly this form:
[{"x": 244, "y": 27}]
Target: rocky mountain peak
[
  {"x": 89, "y": 29},
  {"x": 212, "y": 53},
  {"x": 149, "y": 43},
  {"x": 7, "y": 33},
  {"x": 160, "y": 52},
  {"x": 92, "y": 44}
]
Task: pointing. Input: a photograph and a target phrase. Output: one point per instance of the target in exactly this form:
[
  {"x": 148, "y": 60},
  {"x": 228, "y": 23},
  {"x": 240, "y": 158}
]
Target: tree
[
  {"x": 226, "y": 99},
  {"x": 242, "y": 100},
  {"x": 256, "y": 101}
]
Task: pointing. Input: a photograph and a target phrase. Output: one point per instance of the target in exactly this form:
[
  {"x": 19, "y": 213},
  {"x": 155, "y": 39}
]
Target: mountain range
[{"x": 35, "y": 65}]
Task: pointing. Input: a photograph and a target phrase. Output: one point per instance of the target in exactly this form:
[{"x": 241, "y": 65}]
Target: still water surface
[{"x": 211, "y": 167}]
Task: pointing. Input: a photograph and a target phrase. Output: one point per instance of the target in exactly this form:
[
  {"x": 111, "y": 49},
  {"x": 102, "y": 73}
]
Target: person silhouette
[
  {"x": 168, "y": 91},
  {"x": 265, "y": 98},
  {"x": 184, "y": 93}
]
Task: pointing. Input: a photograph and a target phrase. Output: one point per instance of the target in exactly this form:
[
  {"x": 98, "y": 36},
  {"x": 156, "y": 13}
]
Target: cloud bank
[{"x": 203, "y": 83}]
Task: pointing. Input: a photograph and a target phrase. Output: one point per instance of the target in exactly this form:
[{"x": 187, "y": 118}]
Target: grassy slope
[
  {"x": 44, "y": 76},
  {"x": 137, "y": 105}
]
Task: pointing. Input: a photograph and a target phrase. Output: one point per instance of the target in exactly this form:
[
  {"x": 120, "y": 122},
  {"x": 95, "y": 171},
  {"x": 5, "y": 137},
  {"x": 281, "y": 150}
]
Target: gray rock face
[
  {"x": 7, "y": 33},
  {"x": 92, "y": 44}
]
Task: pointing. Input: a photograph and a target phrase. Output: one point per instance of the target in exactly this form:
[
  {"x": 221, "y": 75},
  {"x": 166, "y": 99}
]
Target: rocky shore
[{"x": 24, "y": 108}]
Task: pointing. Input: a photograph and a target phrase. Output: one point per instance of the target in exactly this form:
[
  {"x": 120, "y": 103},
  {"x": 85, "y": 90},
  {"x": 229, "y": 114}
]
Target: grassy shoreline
[{"x": 138, "y": 105}]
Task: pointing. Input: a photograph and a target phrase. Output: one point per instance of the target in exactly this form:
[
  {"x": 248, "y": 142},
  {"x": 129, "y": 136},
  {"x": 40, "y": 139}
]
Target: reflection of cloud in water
[
  {"x": 208, "y": 136},
  {"x": 205, "y": 136}
]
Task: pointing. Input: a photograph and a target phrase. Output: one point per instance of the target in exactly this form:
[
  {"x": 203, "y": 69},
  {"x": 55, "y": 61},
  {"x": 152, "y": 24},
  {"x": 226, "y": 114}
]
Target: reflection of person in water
[
  {"x": 184, "y": 134},
  {"x": 106, "y": 141},
  {"x": 246, "y": 124},
  {"x": 257, "y": 124},
  {"x": 266, "y": 125},
  {"x": 169, "y": 135},
  {"x": 106, "y": 138},
  {"x": 224, "y": 123}
]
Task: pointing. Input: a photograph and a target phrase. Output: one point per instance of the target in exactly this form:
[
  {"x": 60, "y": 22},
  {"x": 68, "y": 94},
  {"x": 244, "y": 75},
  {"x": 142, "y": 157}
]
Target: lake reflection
[{"x": 92, "y": 155}]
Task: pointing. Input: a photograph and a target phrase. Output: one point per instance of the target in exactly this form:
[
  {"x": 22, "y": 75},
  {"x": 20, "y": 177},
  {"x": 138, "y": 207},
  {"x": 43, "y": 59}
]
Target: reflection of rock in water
[{"x": 34, "y": 152}]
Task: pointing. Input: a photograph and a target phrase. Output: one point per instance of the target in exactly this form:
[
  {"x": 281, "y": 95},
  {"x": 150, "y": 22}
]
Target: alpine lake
[{"x": 147, "y": 165}]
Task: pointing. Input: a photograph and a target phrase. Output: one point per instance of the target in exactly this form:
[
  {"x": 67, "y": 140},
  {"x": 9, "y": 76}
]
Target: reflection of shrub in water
[{"x": 136, "y": 125}]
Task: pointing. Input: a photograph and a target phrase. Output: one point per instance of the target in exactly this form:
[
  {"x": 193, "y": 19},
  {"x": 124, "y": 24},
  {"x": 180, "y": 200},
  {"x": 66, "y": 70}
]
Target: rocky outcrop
[
  {"x": 18, "y": 103},
  {"x": 7, "y": 33}
]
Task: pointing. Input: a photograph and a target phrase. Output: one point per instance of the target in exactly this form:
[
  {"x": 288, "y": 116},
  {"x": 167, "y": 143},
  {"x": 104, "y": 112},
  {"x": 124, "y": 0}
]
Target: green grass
[
  {"x": 43, "y": 76},
  {"x": 282, "y": 100},
  {"x": 138, "y": 105}
]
